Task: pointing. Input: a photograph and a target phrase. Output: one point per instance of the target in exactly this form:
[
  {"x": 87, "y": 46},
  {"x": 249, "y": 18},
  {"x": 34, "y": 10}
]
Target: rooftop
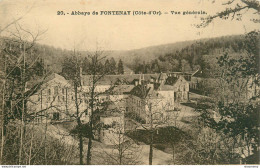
[{"x": 116, "y": 79}]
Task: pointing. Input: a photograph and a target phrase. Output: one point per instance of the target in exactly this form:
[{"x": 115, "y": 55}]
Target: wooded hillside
[{"x": 181, "y": 56}]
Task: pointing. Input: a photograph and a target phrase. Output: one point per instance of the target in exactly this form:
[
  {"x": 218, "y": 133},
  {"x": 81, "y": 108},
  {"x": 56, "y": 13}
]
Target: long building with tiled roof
[{"x": 57, "y": 95}]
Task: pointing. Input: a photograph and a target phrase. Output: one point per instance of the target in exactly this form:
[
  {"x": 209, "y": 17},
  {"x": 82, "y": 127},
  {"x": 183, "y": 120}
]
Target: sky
[{"x": 118, "y": 32}]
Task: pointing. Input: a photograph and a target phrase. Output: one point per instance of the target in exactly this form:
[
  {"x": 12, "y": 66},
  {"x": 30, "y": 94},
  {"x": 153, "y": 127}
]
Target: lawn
[{"x": 162, "y": 137}]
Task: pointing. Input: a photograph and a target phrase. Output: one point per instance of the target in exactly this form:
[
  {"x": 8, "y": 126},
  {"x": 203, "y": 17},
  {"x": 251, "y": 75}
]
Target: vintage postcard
[{"x": 133, "y": 82}]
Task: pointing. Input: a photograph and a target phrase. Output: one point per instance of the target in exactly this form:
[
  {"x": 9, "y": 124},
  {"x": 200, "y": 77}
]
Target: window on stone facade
[
  {"x": 63, "y": 90},
  {"x": 56, "y": 90},
  {"x": 63, "y": 98},
  {"x": 56, "y": 116},
  {"x": 86, "y": 112},
  {"x": 49, "y": 91}
]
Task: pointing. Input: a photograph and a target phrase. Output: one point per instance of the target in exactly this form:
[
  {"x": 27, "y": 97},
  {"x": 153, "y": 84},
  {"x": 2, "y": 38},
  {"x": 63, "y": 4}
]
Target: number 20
[{"x": 60, "y": 13}]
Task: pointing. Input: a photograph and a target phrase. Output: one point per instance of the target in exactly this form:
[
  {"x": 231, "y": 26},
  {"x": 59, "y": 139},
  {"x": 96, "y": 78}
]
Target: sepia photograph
[{"x": 133, "y": 82}]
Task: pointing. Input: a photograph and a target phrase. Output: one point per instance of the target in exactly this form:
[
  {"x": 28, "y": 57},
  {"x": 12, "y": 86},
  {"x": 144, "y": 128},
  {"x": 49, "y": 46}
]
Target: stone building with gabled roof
[
  {"x": 180, "y": 87},
  {"x": 55, "y": 98},
  {"x": 157, "y": 96}
]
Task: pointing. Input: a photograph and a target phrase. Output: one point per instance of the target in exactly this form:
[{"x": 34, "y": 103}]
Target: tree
[
  {"x": 136, "y": 64},
  {"x": 72, "y": 69},
  {"x": 234, "y": 10},
  {"x": 112, "y": 69},
  {"x": 85, "y": 65},
  {"x": 88, "y": 89},
  {"x": 236, "y": 109},
  {"x": 120, "y": 67},
  {"x": 95, "y": 77},
  {"x": 124, "y": 150},
  {"x": 185, "y": 66},
  {"x": 208, "y": 147},
  {"x": 174, "y": 65},
  {"x": 155, "y": 66},
  {"x": 107, "y": 66},
  {"x": 173, "y": 133}
]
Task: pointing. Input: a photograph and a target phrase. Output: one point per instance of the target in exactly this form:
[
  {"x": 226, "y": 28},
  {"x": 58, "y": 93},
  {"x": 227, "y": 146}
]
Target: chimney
[
  {"x": 136, "y": 83},
  {"x": 80, "y": 71},
  {"x": 140, "y": 79}
]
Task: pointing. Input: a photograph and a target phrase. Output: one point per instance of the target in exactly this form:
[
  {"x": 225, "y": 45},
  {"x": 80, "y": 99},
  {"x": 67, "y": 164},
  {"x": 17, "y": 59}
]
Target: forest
[
  {"x": 200, "y": 54},
  {"x": 192, "y": 56}
]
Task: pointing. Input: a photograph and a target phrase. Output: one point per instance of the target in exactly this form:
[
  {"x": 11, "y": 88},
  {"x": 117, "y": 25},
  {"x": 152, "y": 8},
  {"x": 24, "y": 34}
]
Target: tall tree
[
  {"x": 85, "y": 65},
  {"x": 72, "y": 69},
  {"x": 107, "y": 66},
  {"x": 155, "y": 66},
  {"x": 112, "y": 66},
  {"x": 120, "y": 67},
  {"x": 96, "y": 75}
]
